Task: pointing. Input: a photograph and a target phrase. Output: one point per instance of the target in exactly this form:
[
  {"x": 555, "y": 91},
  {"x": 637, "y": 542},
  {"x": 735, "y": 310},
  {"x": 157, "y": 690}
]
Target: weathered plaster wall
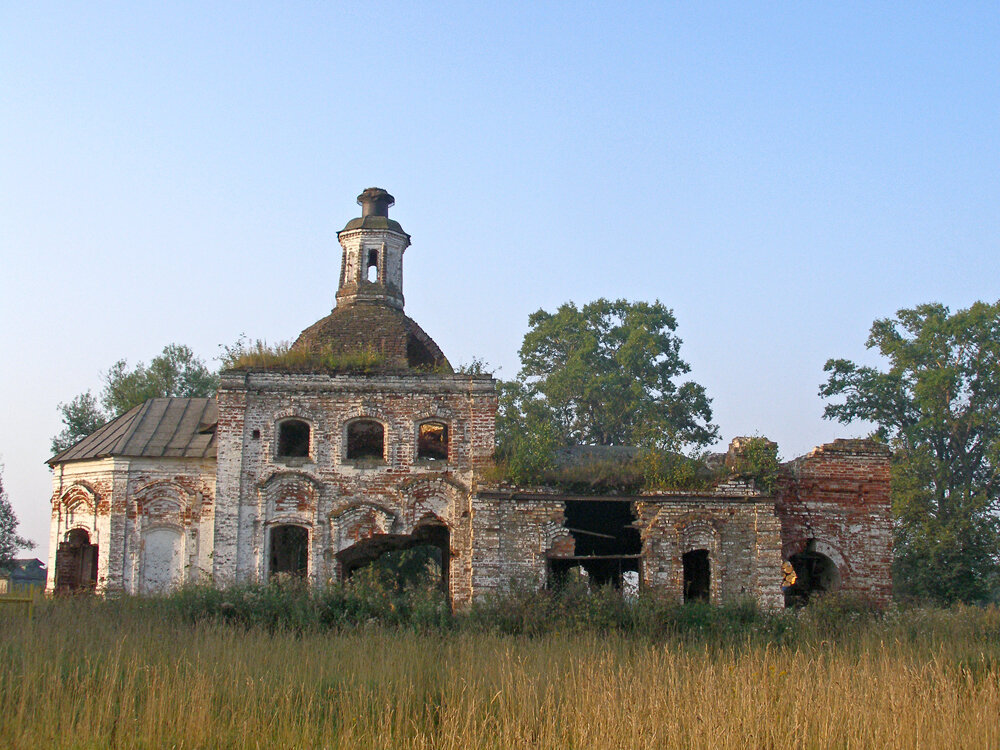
[{"x": 119, "y": 501}]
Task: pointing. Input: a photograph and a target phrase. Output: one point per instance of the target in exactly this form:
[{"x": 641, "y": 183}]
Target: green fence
[{"x": 21, "y": 599}]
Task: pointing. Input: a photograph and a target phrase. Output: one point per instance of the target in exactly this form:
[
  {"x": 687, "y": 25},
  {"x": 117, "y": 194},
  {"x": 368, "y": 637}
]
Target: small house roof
[{"x": 157, "y": 428}]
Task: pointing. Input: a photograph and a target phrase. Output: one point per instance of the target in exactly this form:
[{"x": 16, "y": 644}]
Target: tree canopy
[
  {"x": 937, "y": 404},
  {"x": 604, "y": 374},
  {"x": 176, "y": 371},
  {"x": 10, "y": 542}
]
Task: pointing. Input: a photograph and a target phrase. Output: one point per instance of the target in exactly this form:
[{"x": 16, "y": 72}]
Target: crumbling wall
[
  {"x": 737, "y": 527},
  {"x": 406, "y": 496},
  {"x": 835, "y": 502},
  {"x": 513, "y": 536},
  {"x": 519, "y": 534}
]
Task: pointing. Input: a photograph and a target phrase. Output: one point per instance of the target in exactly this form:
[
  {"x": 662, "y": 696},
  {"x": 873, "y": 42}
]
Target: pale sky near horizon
[{"x": 779, "y": 174}]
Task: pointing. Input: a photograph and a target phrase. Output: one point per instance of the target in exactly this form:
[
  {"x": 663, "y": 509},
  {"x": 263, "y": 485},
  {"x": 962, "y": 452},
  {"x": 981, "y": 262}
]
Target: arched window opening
[
  {"x": 432, "y": 442},
  {"x": 372, "y": 267},
  {"x": 76, "y": 563},
  {"x": 293, "y": 439},
  {"x": 815, "y": 573},
  {"x": 697, "y": 575},
  {"x": 365, "y": 440},
  {"x": 289, "y": 552}
]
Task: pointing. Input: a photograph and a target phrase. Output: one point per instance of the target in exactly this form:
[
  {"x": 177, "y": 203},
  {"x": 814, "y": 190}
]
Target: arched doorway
[
  {"x": 420, "y": 558},
  {"x": 697, "y": 575},
  {"x": 815, "y": 573},
  {"x": 76, "y": 563},
  {"x": 288, "y": 556}
]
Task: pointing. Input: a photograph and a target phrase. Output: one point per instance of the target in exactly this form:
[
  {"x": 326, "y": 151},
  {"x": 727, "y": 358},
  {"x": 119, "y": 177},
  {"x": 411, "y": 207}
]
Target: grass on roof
[{"x": 260, "y": 355}]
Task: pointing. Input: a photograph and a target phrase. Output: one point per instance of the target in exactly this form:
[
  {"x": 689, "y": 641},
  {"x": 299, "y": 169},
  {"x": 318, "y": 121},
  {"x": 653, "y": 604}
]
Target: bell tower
[{"x": 372, "y": 266}]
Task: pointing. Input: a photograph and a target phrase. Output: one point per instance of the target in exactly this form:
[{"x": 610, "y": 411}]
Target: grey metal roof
[
  {"x": 158, "y": 428},
  {"x": 373, "y": 222}
]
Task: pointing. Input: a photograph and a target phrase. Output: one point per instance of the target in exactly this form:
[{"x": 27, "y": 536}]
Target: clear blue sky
[{"x": 780, "y": 174}]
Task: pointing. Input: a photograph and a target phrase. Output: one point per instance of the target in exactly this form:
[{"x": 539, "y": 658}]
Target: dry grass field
[{"x": 128, "y": 674}]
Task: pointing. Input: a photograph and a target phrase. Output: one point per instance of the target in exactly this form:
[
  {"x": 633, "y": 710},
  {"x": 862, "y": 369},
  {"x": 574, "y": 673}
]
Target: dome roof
[
  {"x": 374, "y": 327},
  {"x": 374, "y": 222}
]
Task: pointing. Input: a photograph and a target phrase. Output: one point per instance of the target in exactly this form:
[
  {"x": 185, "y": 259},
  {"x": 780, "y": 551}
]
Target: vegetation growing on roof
[
  {"x": 756, "y": 459},
  {"x": 649, "y": 470},
  {"x": 260, "y": 355}
]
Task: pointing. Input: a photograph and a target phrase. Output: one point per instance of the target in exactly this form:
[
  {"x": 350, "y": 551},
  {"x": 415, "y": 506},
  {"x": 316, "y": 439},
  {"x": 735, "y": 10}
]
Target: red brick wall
[{"x": 838, "y": 495}]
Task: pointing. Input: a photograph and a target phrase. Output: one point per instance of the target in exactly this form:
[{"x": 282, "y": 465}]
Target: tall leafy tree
[
  {"x": 607, "y": 374},
  {"x": 937, "y": 404},
  {"x": 10, "y": 542},
  {"x": 176, "y": 371}
]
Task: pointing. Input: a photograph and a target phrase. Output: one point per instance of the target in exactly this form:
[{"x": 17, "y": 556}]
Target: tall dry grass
[{"x": 91, "y": 674}]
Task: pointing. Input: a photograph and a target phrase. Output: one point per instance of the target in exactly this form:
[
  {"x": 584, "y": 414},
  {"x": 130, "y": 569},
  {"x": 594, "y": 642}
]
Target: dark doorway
[
  {"x": 289, "y": 552},
  {"x": 76, "y": 563},
  {"x": 815, "y": 573},
  {"x": 697, "y": 575},
  {"x": 401, "y": 560}
]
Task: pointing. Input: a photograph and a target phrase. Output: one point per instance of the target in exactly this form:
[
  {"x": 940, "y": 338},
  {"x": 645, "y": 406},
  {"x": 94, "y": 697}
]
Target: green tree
[
  {"x": 10, "y": 542},
  {"x": 937, "y": 404},
  {"x": 176, "y": 371},
  {"x": 80, "y": 416},
  {"x": 606, "y": 374}
]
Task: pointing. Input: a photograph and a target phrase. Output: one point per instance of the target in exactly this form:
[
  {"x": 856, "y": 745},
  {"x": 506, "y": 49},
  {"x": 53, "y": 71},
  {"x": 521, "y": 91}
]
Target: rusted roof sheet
[{"x": 160, "y": 427}]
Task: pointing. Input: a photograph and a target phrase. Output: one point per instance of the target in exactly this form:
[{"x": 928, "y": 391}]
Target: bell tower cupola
[{"x": 372, "y": 266}]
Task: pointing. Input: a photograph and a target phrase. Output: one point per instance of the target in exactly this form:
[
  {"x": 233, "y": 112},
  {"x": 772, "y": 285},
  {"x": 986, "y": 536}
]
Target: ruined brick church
[{"x": 314, "y": 474}]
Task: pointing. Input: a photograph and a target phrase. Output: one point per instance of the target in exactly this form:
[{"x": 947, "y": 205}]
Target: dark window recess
[
  {"x": 606, "y": 544},
  {"x": 365, "y": 440},
  {"x": 372, "y": 272},
  {"x": 697, "y": 575},
  {"x": 815, "y": 573},
  {"x": 76, "y": 563},
  {"x": 289, "y": 552},
  {"x": 256, "y": 434},
  {"x": 293, "y": 439},
  {"x": 432, "y": 443}
]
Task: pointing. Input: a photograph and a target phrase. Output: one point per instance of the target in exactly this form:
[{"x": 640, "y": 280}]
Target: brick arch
[
  {"x": 359, "y": 521},
  {"x": 696, "y": 531},
  {"x": 78, "y": 510},
  {"x": 370, "y": 411},
  {"x": 79, "y": 493},
  {"x": 289, "y": 497},
  {"x": 822, "y": 546},
  {"x": 438, "y": 497},
  {"x": 162, "y": 503},
  {"x": 306, "y": 414},
  {"x": 439, "y": 412}
]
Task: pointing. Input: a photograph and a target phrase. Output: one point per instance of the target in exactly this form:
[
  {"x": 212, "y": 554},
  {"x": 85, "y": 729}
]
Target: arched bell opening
[
  {"x": 76, "y": 563},
  {"x": 815, "y": 573},
  {"x": 422, "y": 558}
]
